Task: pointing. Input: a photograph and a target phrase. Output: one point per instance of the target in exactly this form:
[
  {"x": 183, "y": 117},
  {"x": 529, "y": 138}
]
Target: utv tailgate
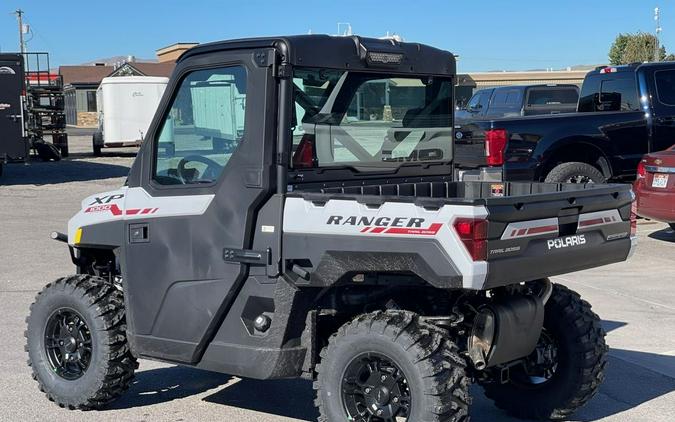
[
  {"x": 535, "y": 236},
  {"x": 534, "y": 230}
]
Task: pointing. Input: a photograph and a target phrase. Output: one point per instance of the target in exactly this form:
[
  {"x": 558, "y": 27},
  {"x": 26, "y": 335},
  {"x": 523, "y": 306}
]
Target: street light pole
[
  {"x": 657, "y": 44},
  {"x": 19, "y": 18}
]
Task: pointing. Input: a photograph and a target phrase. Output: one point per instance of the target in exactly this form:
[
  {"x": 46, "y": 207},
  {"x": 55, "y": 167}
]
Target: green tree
[
  {"x": 631, "y": 48},
  {"x": 617, "y": 49}
]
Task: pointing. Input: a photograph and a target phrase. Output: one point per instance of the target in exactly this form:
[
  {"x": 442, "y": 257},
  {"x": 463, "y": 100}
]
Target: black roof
[
  {"x": 631, "y": 67},
  {"x": 340, "y": 52}
]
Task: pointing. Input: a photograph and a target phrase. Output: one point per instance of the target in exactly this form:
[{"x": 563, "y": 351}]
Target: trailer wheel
[
  {"x": 387, "y": 366},
  {"x": 575, "y": 172},
  {"x": 77, "y": 344},
  {"x": 565, "y": 370},
  {"x": 97, "y": 143}
]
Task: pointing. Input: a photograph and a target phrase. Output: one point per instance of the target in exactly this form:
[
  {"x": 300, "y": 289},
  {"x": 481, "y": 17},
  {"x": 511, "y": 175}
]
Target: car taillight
[
  {"x": 473, "y": 234},
  {"x": 305, "y": 155},
  {"x": 633, "y": 218},
  {"x": 495, "y": 144},
  {"x": 641, "y": 172}
]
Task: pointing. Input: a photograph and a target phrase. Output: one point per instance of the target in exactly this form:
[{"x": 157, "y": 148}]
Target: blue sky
[{"x": 487, "y": 35}]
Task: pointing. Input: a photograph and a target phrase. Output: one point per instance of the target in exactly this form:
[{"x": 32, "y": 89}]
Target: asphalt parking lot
[{"x": 636, "y": 300}]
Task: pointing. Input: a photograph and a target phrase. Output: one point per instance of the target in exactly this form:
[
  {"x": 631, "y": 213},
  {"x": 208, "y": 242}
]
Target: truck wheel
[
  {"x": 386, "y": 366},
  {"x": 672, "y": 225},
  {"x": 567, "y": 367},
  {"x": 76, "y": 342},
  {"x": 575, "y": 173}
]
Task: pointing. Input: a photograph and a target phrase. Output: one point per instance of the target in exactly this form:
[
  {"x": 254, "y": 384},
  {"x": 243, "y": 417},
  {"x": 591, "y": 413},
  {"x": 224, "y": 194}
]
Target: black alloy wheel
[
  {"x": 375, "y": 389},
  {"x": 68, "y": 344}
]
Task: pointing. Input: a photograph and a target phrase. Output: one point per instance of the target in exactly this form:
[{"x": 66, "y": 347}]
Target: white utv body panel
[
  {"x": 393, "y": 220},
  {"x": 126, "y": 106},
  {"x": 133, "y": 204}
]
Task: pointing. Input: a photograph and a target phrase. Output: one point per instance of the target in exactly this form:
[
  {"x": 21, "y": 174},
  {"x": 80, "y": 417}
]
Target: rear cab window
[
  {"x": 610, "y": 92},
  {"x": 369, "y": 121}
]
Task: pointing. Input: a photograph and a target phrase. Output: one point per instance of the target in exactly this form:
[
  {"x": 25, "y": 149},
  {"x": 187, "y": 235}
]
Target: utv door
[
  {"x": 12, "y": 143},
  {"x": 202, "y": 174}
]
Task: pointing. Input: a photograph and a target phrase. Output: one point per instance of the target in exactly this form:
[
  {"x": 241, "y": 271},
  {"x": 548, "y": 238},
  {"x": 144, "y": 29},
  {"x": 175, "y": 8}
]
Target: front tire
[
  {"x": 556, "y": 389},
  {"x": 77, "y": 344},
  {"x": 389, "y": 365},
  {"x": 575, "y": 172}
]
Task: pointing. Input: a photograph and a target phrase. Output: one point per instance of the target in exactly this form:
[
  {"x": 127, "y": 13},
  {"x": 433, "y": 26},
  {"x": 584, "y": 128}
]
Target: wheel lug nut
[
  {"x": 395, "y": 399},
  {"x": 384, "y": 377},
  {"x": 379, "y": 412},
  {"x": 61, "y": 343},
  {"x": 367, "y": 390}
]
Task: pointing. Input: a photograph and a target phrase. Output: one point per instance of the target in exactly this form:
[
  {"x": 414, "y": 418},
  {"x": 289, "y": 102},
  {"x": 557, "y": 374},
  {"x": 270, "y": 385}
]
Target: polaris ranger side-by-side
[{"x": 292, "y": 213}]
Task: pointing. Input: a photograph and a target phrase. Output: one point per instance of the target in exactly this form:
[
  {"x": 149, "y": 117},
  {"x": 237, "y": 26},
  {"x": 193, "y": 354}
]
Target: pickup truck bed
[{"x": 532, "y": 230}]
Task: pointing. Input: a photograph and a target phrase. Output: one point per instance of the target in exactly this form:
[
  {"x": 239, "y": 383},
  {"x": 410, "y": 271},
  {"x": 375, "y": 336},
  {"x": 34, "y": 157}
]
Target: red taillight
[
  {"x": 495, "y": 144},
  {"x": 473, "y": 234},
  {"x": 305, "y": 156},
  {"x": 641, "y": 172},
  {"x": 633, "y": 218}
]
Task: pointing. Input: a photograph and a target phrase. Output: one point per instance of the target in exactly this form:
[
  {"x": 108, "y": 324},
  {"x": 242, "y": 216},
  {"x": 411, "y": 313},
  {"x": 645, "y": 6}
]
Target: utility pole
[
  {"x": 657, "y": 44},
  {"x": 19, "y": 17}
]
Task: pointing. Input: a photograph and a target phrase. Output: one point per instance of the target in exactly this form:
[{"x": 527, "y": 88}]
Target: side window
[
  {"x": 513, "y": 98},
  {"x": 618, "y": 95},
  {"x": 203, "y": 127},
  {"x": 665, "y": 86},
  {"x": 499, "y": 99}
]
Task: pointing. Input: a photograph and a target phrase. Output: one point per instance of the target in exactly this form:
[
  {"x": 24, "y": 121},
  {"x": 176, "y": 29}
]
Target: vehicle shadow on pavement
[
  {"x": 162, "y": 385},
  {"x": 666, "y": 234},
  {"x": 48, "y": 173},
  {"x": 291, "y": 398}
]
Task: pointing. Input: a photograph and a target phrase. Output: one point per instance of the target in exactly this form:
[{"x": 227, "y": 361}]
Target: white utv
[{"x": 292, "y": 213}]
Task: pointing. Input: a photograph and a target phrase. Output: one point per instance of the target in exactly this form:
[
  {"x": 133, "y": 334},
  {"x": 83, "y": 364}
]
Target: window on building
[{"x": 91, "y": 101}]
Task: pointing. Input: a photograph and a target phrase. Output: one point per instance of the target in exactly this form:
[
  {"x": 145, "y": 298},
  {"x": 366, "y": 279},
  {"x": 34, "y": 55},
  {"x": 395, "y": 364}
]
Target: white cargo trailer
[{"x": 126, "y": 106}]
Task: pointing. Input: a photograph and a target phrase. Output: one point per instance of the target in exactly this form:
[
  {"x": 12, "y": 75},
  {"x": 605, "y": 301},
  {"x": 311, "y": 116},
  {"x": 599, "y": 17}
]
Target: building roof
[
  {"x": 175, "y": 46},
  {"x": 74, "y": 75},
  {"x": 155, "y": 69}
]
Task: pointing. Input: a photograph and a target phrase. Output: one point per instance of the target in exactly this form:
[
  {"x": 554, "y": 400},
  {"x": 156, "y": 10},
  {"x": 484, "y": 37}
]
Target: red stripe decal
[
  {"x": 146, "y": 211},
  {"x": 365, "y": 229},
  {"x": 522, "y": 232},
  {"x": 431, "y": 230},
  {"x": 378, "y": 230},
  {"x": 592, "y": 222},
  {"x": 133, "y": 211},
  {"x": 154, "y": 210},
  {"x": 541, "y": 229}
]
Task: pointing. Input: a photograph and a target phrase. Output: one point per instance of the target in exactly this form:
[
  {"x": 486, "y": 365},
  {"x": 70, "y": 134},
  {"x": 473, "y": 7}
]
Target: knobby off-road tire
[
  {"x": 581, "y": 359},
  {"x": 436, "y": 386},
  {"x": 575, "y": 172},
  {"x": 93, "y": 308}
]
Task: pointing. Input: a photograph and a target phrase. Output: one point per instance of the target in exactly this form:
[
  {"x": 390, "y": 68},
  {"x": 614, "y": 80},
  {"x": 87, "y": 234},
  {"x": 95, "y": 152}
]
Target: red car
[{"x": 655, "y": 186}]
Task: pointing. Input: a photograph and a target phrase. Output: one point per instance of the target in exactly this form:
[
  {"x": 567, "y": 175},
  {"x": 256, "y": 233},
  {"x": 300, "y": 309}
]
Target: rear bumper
[{"x": 655, "y": 205}]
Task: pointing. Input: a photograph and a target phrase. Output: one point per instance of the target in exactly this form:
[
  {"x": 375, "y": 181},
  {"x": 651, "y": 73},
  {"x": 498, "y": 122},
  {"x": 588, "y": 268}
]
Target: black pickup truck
[
  {"x": 519, "y": 100},
  {"x": 623, "y": 113}
]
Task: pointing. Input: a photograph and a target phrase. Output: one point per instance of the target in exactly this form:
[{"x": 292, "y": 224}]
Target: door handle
[
  {"x": 14, "y": 117},
  {"x": 666, "y": 121}
]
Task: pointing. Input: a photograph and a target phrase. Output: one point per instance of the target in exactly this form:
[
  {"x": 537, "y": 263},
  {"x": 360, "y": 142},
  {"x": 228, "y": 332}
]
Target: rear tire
[
  {"x": 575, "y": 172},
  {"x": 422, "y": 375},
  {"x": 672, "y": 225},
  {"x": 95, "y": 365},
  {"x": 581, "y": 357}
]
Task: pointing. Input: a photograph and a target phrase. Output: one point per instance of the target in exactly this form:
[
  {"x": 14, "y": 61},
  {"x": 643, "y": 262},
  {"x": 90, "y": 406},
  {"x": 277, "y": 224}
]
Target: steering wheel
[{"x": 212, "y": 169}]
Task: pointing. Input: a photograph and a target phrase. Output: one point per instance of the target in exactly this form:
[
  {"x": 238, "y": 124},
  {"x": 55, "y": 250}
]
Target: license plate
[{"x": 660, "y": 181}]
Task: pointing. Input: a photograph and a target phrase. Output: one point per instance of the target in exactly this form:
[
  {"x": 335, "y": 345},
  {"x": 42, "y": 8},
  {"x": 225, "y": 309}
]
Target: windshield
[{"x": 369, "y": 121}]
